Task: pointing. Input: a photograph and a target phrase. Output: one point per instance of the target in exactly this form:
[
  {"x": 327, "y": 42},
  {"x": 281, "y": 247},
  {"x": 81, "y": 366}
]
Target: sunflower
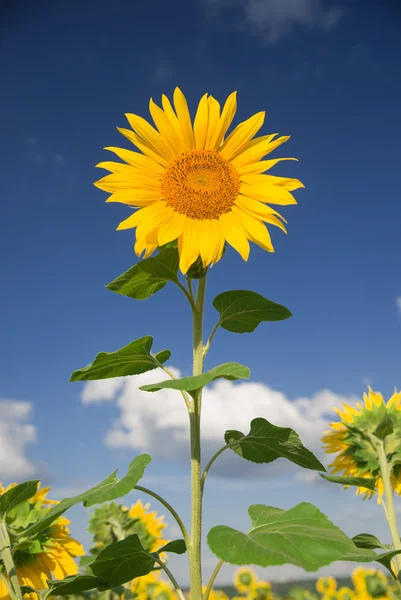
[
  {"x": 154, "y": 525},
  {"x": 216, "y": 594},
  {"x": 192, "y": 185},
  {"x": 50, "y": 552},
  {"x": 345, "y": 593},
  {"x": 326, "y": 585},
  {"x": 244, "y": 578},
  {"x": 261, "y": 590},
  {"x": 350, "y": 438},
  {"x": 370, "y": 583}
]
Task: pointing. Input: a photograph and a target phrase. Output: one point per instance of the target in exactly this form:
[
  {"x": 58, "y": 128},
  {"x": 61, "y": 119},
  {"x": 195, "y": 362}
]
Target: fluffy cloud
[
  {"x": 274, "y": 19},
  {"x": 158, "y": 422},
  {"x": 15, "y": 433}
]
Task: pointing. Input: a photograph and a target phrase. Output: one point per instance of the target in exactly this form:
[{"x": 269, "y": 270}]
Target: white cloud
[
  {"x": 15, "y": 433},
  {"x": 274, "y": 19},
  {"x": 158, "y": 422},
  {"x": 398, "y": 303}
]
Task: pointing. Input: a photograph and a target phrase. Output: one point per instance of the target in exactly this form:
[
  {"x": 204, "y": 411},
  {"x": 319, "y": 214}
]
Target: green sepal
[
  {"x": 242, "y": 311},
  {"x": 367, "y": 482},
  {"x": 148, "y": 276},
  {"x": 384, "y": 428},
  {"x": 133, "y": 359},
  {"x": 197, "y": 270},
  {"x": 302, "y": 536},
  {"x": 368, "y": 541},
  {"x": 109, "y": 489},
  {"x": 231, "y": 371},
  {"x": 266, "y": 442},
  {"x": 17, "y": 494}
]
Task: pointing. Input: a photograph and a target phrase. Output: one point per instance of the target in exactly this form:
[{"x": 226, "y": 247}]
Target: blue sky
[{"x": 325, "y": 73}]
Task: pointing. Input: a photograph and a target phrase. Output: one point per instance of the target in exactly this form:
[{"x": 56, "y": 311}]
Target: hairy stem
[
  {"x": 7, "y": 559},
  {"x": 194, "y": 416}
]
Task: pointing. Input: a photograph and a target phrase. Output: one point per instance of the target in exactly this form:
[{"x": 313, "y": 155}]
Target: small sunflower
[
  {"x": 370, "y": 583},
  {"x": 190, "y": 184},
  {"x": 261, "y": 590},
  {"x": 350, "y": 439},
  {"x": 49, "y": 553},
  {"x": 345, "y": 593},
  {"x": 244, "y": 578},
  {"x": 216, "y": 594},
  {"x": 326, "y": 585}
]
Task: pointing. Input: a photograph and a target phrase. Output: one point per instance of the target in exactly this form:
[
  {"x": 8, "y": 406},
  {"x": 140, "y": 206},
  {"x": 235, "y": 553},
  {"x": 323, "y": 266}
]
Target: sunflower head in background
[
  {"x": 326, "y": 585},
  {"x": 47, "y": 554},
  {"x": 370, "y": 583},
  {"x": 244, "y": 578},
  {"x": 188, "y": 182},
  {"x": 113, "y": 522},
  {"x": 261, "y": 590},
  {"x": 351, "y": 439}
]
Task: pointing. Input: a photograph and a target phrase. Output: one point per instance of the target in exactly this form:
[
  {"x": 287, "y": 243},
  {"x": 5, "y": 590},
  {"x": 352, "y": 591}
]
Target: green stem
[
  {"x": 211, "y": 336},
  {"x": 211, "y": 461},
  {"x": 7, "y": 559},
  {"x": 194, "y": 416},
  {"x": 184, "y": 394},
  {"x": 172, "y": 578},
  {"x": 188, "y": 295},
  {"x": 170, "y": 509},
  {"x": 389, "y": 498},
  {"x": 212, "y": 579}
]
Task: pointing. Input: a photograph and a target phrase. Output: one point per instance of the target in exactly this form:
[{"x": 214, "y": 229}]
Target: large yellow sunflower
[
  {"x": 350, "y": 439},
  {"x": 190, "y": 184},
  {"x": 52, "y": 551}
]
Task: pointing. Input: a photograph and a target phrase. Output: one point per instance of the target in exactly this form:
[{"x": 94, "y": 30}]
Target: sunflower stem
[
  {"x": 7, "y": 559},
  {"x": 389, "y": 499},
  {"x": 212, "y": 579},
  {"x": 194, "y": 417}
]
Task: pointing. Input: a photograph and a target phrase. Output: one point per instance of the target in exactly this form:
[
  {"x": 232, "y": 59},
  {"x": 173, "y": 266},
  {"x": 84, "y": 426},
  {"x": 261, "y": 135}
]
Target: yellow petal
[
  {"x": 165, "y": 127},
  {"x": 139, "y": 143},
  {"x": 214, "y": 118},
  {"x": 188, "y": 246},
  {"x": 211, "y": 241},
  {"x": 265, "y": 193},
  {"x": 147, "y": 213},
  {"x": 233, "y": 232},
  {"x": 261, "y": 166},
  {"x": 242, "y": 134},
  {"x": 255, "y": 230},
  {"x": 201, "y": 123},
  {"x": 181, "y": 108},
  {"x": 287, "y": 183},
  {"x": 171, "y": 229},
  {"x": 172, "y": 117},
  {"x": 150, "y": 136},
  {"x": 260, "y": 211},
  {"x": 135, "y": 159},
  {"x": 257, "y": 149},
  {"x": 121, "y": 181},
  {"x": 395, "y": 399},
  {"x": 225, "y": 121},
  {"x": 135, "y": 197}
]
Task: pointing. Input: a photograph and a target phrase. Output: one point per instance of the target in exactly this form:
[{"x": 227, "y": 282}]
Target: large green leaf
[
  {"x": 76, "y": 584},
  {"x": 231, "y": 371},
  {"x": 242, "y": 311},
  {"x": 17, "y": 494},
  {"x": 122, "y": 561},
  {"x": 109, "y": 489},
  {"x": 148, "y": 276},
  {"x": 266, "y": 442},
  {"x": 301, "y": 536},
  {"x": 133, "y": 359},
  {"x": 368, "y": 483}
]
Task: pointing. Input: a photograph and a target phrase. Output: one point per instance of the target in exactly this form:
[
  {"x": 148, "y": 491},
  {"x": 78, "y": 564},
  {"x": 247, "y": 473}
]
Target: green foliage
[
  {"x": 242, "y": 311},
  {"x": 367, "y": 540},
  {"x": 231, "y": 371},
  {"x": 365, "y": 482},
  {"x": 176, "y": 546},
  {"x": 384, "y": 428},
  {"x": 301, "y": 536},
  {"x": 109, "y": 489},
  {"x": 266, "y": 442},
  {"x": 197, "y": 270},
  {"x": 132, "y": 359},
  {"x": 148, "y": 276},
  {"x": 17, "y": 494},
  {"x": 76, "y": 584}
]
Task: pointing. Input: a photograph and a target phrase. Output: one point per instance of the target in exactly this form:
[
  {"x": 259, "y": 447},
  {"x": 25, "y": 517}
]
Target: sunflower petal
[
  {"x": 225, "y": 121},
  {"x": 201, "y": 123},
  {"x": 214, "y": 118},
  {"x": 150, "y": 136},
  {"x": 135, "y": 159},
  {"x": 181, "y": 108},
  {"x": 273, "y": 194},
  {"x": 242, "y": 134},
  {"x": 257, "y": 149},
  {"x": 165, "y": 128},
  {"x": 261, "y": 166},
  {"x": 255, "y": 230},
  {"x": 233, "y": 232}
]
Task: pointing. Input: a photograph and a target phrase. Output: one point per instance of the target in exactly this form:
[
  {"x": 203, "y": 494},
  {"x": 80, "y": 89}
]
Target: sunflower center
[{"x": 200, "y": 184}]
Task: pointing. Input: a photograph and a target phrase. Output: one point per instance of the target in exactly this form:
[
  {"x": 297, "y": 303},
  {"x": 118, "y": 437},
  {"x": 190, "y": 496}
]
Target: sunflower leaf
[
  {"x": 266, "y": 442},
  {"x": 368, "y": 541},
  {"x": 385, "y": 560},
  {"x": 363, "y": 555},
  {"x": 366, "y": 482},
  {"x": 75, "y": 584},
  {"x": 176, "y": 546},
  {"x": 301, "y": 536},
  {"x": 242, "y": 311},
  {"x": 148, "y": 276},
  {"x": 122, "y": 561},
  {"x": 384, "y": 428},
  {"x": 109, "y": 489},
  {"x": 191, "y": 384},
  {"x": 132, "y": 359},
  {"x": 17, "y": 494}
]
